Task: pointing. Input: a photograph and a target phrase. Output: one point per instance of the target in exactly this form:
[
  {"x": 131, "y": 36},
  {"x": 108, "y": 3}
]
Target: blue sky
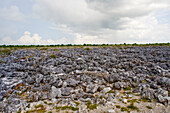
[{"x": 84, "y": 21}]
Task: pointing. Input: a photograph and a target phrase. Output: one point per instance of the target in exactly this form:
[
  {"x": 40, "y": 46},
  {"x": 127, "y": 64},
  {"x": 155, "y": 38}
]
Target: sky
[{"x": 39, "y": 22}]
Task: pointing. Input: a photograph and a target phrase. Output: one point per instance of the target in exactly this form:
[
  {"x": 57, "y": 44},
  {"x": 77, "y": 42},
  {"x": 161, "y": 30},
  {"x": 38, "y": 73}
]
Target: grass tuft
[
  {"x": 53, "y": 56},
  {"x": 117, "y": 106},
  {"x": 149, "y": 107},
  {"x": 132, "y": 107}
]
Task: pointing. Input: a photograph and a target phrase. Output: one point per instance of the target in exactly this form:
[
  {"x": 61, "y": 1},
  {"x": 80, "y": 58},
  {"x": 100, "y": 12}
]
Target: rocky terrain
[{"x": 81, "y": 80}]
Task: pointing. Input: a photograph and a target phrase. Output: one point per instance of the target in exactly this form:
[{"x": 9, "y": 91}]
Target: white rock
[
  {"x": 125, "y": 100},
  {"x": 111, "y": 111},
  {"x": 105, "y": 90}
]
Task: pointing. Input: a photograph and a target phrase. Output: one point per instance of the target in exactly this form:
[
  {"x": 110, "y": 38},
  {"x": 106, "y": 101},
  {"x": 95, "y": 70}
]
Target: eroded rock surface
[{"x": 98, "y": 76}]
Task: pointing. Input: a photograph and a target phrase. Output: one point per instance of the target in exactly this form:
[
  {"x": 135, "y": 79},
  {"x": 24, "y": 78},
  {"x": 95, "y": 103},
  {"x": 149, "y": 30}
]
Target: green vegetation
[
  {"x": 111, "y": 91},
  {"x": 87, "y": 48},
  {"x": 132, "y": 107},
  {"x": 66, "y": 108},
  {"x": 18, "y": 111},
  {"x": 45, "y": 102},
  {"x": 149, "y": 107},
  {"x": 91, "y": 106},
  {"x": 146, "y": 99},
  {"x": 38, "y": 109},
  {"x": 77, "y": 103},
  {"x": 5, "y": 51},
  {"x": 43, "y": 47},
  {"x": 124, "y": 109},
  {"x": 39, "y": 106},
  {"x": 50, "y": 103},
  {"x": 144, "y": 81},
  {"x": 117, "y": 106},
  {"x": 50, "y": 112},
  {"x": 133, "y": 101},
  {"x": 168, "y": 93},
  {"x": 128, "y": 88},
  {"x": 53, "y": 56}
]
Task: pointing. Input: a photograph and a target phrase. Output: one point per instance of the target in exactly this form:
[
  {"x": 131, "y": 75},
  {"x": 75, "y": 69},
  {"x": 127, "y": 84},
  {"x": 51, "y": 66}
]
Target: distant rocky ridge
[{"x": 68, "y": 76}]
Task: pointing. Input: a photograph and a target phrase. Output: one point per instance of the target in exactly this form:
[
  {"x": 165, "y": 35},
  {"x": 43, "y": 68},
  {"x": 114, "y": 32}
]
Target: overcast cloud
[{"x": 100, "y": 21}]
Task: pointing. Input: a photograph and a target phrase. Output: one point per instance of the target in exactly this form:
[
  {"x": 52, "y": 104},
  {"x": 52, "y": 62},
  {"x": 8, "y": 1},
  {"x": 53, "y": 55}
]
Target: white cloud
[
  {"x": 35, "y": 39},
  {"x": 12, "y": 13},
  {"x": 106, "y": 21}
]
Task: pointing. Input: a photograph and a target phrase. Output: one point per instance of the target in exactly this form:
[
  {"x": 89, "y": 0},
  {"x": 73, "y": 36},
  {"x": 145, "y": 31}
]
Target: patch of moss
[
  {"x": 38, "y": 109},
  {"x": 124, "y": 109},
  {"x": 146, "y": 99},
  {"x": 18, "y": 111},
  {"x": 91, "y": 106},
  {"x": 133, "y": 101},
  {"x": 77, "y": 103},
  {"x": 149, "y": 107},
  {"x": 87, "y": 48},
  {"x": 128, "y": 88},
  {"x": 53, "y": 56},
  {"x": 5, "y": 51},
  {"x": 45, "y": 102},
  {"x": 132, "y": 107},
  {"x": 50, "y": 112},
  {"x": 67, "y": 108},
  {"x": 118, "y": 106},
  {"x": 50, "y": 103},
  {"x": 168, "y": 93},
  {"x": 39, "y": 106},
  {"x": 111, "y": 91},
  {"x": 101, "y": 97},
  {"x": 144, "y": 81},
  {"x": 44, "y": 49}
]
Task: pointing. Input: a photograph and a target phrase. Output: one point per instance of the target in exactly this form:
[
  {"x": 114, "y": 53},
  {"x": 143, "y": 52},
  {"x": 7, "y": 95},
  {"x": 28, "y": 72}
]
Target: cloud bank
[
  {"x": 35, "y": 39},
  {"x": 107, "y": 21}
]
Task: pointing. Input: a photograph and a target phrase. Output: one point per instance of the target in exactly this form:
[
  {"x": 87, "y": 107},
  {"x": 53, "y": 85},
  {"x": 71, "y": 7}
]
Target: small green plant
[
  {"x": 87, "y": 48},
  {"x": 50, "y": 103},
  {"x": 18, "y": 111},
  {"x": 149, "y": 107},
  {"x": 146, "y": 99},
  {"x": 66, "y": 108},
  {"x": 124, "y": 109},
  {"x": 43, "y": 48},
  {"x": 5, "y": 51},
  {"x": 39, "y": 106},
  {"x": 132, "y": 107},
  {"x": 118, "y": 106},
  {"x": 144, "y": 81},
  {"x": 53, "y": 56},
  {"x": 50, "y": 112},
  {"x": 128, "y": 88},
  {"x": 111, "y": 91},
  {"x": 133, "y": 101},
  {"x": 91, "y": 106},
  {"x": 101, "y": 97},
  {"x": 77, "y": 103},
  {"x": 45, "y": 102}
]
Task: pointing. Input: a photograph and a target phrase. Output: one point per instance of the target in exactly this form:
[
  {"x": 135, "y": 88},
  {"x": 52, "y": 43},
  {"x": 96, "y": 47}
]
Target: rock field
[{"x": 82, "y": 80}]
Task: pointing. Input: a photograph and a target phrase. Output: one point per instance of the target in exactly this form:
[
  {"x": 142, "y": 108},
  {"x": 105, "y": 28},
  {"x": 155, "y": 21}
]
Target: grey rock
[
  {"x": 39, "y": 78},
  {"x": 92, "y": 88},
  {"x": 55, "y": 92},
  {"x": 72, "y": 83},
  {"x": 66, "y": 91},
  {"x": 106, "y": 89},
  {"x": 30, "y": 80},
  {"x": 149, "y": 93},
  {"x": 112, "y": 78},
  {"x": 119, "y": 85}
]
